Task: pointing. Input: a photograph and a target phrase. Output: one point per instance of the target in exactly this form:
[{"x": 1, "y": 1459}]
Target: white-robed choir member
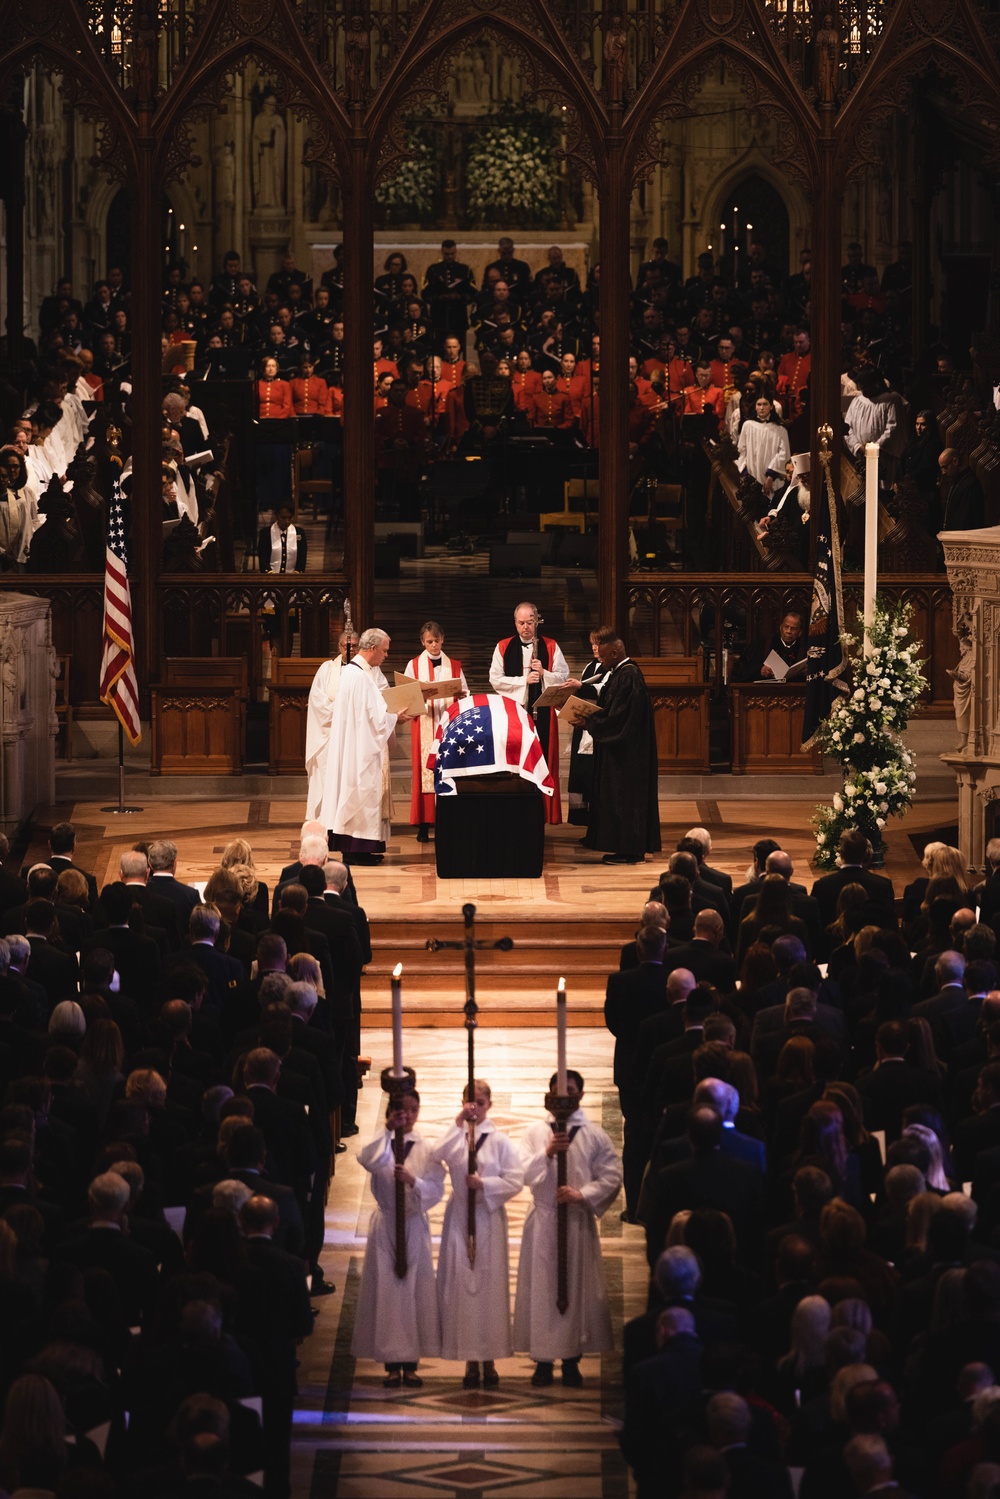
[
  {"x": 397, "y": 1318},
  {"x": 474, "y": 1300},
  {"x": 355, "y": 800},
  {"x": 319, "y": 715},
  {"x": 763, "y": 443},
  {"x": 431, "y": 665},
  {"x": 593, "y": 1180}
]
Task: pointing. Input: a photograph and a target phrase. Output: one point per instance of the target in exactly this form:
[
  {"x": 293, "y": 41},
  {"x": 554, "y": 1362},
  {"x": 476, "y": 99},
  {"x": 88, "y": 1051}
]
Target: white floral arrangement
[
  {"x": 411, "y": 185},
  {"x": 510, "y": 170},
  {"x": 864, "y": 732}
]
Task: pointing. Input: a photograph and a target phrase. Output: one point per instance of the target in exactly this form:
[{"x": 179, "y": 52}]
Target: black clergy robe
[{"x": 624, "y": 813}]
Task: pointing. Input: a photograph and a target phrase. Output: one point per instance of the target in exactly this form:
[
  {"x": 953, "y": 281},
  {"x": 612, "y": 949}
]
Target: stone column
[
  {"x": 27, "y": 708},
  {"x": 973, "y": 562}
]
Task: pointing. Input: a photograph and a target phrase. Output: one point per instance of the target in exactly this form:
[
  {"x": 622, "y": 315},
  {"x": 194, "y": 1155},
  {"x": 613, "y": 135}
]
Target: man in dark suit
[
  {"x": 158, "y": 913},
  {"x": 13, "y": 890},
  {"x": 703, "y": 838},
  {"x": 56, "y": 971},
  {"x": 703, "y": 894},
  {"x": 283, "y": 1124},
  {"x": 888, "y": 1088},
  {"x": 103, "y": 1245},
  {"x": 137, "y": 958},
  {"x": 324, "y": 1045},
  {"x": 338, "y": 895},
  {"x": 950, "y": 1001},
  {"x": 801, "y": 1015},
  {"x": 854, "y": 857},
  {"x": 668, "y": 1078},
  {"x": 658, "y": 1392},
  {"x": 41, "y": 882},
  {"x": 337, "y": 925},
  {"x": 163, "y": 879},
  {"x": 282, "y": 1318},
  {"x": 244, "y": 1158},
  {"x": 226, "y": 977},
  {"x": 728, "y": 1422},
  {"x": 630, "y": 998},
  {"x": 17, "y": 1186},
  {"x": 801, "y": 905},
  {"x": 62, "y": 846},
  {"x": 703, "y": 955},
  {"x": 725, "y": 1100},
  {"x": 981, "y": 1131},
  {"x": 963, "y": 502},
  {"x": 708, "y": 1179}
]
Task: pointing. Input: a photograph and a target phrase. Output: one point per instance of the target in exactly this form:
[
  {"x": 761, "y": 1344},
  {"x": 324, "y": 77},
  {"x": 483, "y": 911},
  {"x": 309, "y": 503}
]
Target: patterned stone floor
[{"x": 355, "y": 1440}]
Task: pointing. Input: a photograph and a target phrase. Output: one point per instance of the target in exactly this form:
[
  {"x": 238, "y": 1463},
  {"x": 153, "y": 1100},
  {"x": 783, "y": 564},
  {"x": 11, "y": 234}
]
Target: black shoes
[
  {"x": 620, "y": 859},
  {"x": 471, "y": 1378},
  {"x": 543, "y": 1376},
  {"x": 424, "y": 833},
  {"x": 491, "y": 1378},
  {"x": 571, "y": 1376}
]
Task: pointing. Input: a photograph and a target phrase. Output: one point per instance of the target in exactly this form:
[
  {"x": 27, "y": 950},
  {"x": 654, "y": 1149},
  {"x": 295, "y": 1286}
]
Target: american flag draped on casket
[{"x": 485, "y": 733}]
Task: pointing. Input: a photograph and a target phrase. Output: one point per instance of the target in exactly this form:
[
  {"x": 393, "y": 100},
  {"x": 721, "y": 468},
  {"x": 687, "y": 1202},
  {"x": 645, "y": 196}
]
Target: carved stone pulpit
[
  {"x": 973, "y": 562},
  {"x": 28, "y": 723}
]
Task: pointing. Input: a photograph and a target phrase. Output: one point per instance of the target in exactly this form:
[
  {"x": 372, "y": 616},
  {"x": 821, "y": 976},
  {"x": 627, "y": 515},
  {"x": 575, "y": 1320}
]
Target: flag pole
[{"x": 113, "y": 437}]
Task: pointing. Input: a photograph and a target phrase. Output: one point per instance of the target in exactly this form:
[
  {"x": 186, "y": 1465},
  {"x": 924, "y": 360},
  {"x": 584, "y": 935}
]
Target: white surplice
[
  {"x": 423, "y": 670},
  {"x": 474, "y": 1301},
  {"x": 348, "y": 728},
  {"x": 593, "y": 1167},
  {"x": 763, "y": 446},
  {"x": 517, "y": 687},
  {"x": 396, "y": 1321}
]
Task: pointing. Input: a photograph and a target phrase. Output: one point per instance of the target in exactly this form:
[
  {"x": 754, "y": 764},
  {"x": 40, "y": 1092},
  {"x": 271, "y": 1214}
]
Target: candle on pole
[
  {"x": 736, "y": 247},
  {"x": 397, "y": 1020},
  {"x": 561, "y": 1037},
  {"x": 722, "y": 247},
  {"x": 871, "y": 537}
]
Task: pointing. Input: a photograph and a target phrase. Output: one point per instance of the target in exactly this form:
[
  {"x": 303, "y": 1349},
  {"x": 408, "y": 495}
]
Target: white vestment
[
  {"x": 475, "y": 1300},
  {"x": 593, "y": 1167},
  {"x": 428, "y": 724},
  {"x": 396, "y": 1321},
  {"x": 517, "y": 687},
  {"x": 352, "y": 796},
  {"x": 763, "y": 446}
]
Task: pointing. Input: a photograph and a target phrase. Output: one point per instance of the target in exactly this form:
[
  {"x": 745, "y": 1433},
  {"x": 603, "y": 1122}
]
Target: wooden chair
[
  {"x": 64, "y": 708},
  {"x": 303, "y": 486}
]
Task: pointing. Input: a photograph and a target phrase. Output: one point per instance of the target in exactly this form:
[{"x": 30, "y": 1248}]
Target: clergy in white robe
[
  {"x": 474, "y": 1300},
  {"x": 763, "y": 443},
  {"x": 593, "y": 1180},
  {"x": 431, "y": 665},
  {"x": 397, "y": 1319},
  {"x": 353, "y": 801}
]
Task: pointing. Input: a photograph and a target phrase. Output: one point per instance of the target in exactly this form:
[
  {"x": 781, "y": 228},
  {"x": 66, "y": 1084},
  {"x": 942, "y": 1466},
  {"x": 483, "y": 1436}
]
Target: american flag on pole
[
  {"x": 118, "y": 685},
  {"x": 482, "y": 733}
]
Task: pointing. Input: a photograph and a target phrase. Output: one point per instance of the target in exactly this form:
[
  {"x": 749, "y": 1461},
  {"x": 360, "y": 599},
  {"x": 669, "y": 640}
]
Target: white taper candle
[
  {"x": 397, "y": 1020},
  {"x": 871, "y": 537},
  {"x": 561, "y": 1038}
]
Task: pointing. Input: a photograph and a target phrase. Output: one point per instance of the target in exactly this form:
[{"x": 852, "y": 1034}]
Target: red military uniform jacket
[
  {"x": 274, "y": 400},
  {"x": 551, "y": 409},
  {"x": 698, "y": 402},
  {"x": 311, "y": 397}
]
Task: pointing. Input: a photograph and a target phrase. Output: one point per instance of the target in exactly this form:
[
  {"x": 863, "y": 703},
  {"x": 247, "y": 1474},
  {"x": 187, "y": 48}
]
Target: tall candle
[
  {"x": 397, "y": 1020},
  {"x": 871, "y": 537},
  {"x": 561, "y": 1038},
  {"x": 736, "y": 246}
]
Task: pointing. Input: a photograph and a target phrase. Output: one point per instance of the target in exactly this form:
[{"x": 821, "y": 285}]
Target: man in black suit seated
[
  {"x": 18, "y": 1185},
  {"x": 660, "y": 1395},
  {"x": 163, "y": 879},
  {"x": 703, "y": 955},
  {"x": 337, "y": 924},
  {"x": 708, "y": 1179},
  {"x": 853, "y": 857},
  {"x": 728, "y": 1422},
  {"x": 104, "y": 1245},
  {"x": 703, "y": 894},
  {"x": 24, "y": 1005},
  {"x": 800, "y": 904},
  {"x": 62, "y": 846},
  {"x": 13, "y": 890},
  {"x": 800, "y": 1015},
  {"x": 630, "y": 998},
  {"x": 703, "y": 838},
  {"x": 226, "y": 977},
  {"x": 759, "y": 853},
  {"x": 788, "y": 643},
  {"x": 338, "y": 895},
  {"x": 283, "y": 1124},
  {"x": 40, "y": 884}
]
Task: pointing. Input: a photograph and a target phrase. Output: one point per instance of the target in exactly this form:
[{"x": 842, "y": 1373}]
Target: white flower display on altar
[
  {"x": 863, "y": 732},
  {"x": 410, "y": 186},
  {"x": 510, "y": 170}
]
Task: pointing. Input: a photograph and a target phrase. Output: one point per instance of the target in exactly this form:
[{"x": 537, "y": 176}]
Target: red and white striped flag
[
  {"x": 485, "y": 733},
  {"x": 118, "y": 685}
]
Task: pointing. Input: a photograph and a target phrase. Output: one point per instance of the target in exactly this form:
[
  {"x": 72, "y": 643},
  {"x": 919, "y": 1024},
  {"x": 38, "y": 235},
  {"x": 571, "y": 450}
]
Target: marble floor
[{"x": 355, "y": 1440}]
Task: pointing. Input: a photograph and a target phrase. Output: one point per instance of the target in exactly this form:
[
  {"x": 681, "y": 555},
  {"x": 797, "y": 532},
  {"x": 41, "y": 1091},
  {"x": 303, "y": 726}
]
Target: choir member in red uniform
[
  {"x": 310, "y": 392},
  {"x": 550, "y": 408}
]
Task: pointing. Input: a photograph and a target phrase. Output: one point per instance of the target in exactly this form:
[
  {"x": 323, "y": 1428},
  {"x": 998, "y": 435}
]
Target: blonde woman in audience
[{"x": 238, "y": 852}]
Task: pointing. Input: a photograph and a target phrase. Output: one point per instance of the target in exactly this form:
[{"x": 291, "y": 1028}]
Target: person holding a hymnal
[
  {"x": 430, "y": 666},
  {"x": 775, "y": 658}
]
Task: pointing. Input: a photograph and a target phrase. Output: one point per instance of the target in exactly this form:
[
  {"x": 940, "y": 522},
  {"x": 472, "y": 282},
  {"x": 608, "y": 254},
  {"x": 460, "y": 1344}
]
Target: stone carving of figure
[
  {"x": 267, "y": 143},
  {"x": 510, "y": 79},
  {"x": 225, "y": 175},
  {"x": 827, "y": 60},
  {"x": 482, "y": 86},
  {"x": 883, "y": 212},
  {"x": 357, "y": 48},
  {"x": 615, "y": 59},
  {"x": 963, "y": 675}
]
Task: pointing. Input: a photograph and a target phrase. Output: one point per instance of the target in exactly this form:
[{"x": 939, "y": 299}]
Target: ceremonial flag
[
  {"x": 826, "y": 665},
  {"x": 118, "y": 685},
  {"x": 482, "y": 733}
]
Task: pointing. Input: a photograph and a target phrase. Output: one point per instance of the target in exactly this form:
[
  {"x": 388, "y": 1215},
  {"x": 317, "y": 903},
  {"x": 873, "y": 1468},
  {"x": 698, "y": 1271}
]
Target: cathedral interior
[{"x": 371, "y": 314}]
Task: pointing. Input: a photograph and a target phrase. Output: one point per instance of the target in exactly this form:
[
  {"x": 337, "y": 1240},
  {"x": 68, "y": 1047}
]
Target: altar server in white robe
[
  {"x": 474, "y": 1300},
  {"x": 763, "y": 444},
  {"x": 397, "y": 1319},
  {"x": 593, "y": 1180},
  {"x": 319, "y": 715}
]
